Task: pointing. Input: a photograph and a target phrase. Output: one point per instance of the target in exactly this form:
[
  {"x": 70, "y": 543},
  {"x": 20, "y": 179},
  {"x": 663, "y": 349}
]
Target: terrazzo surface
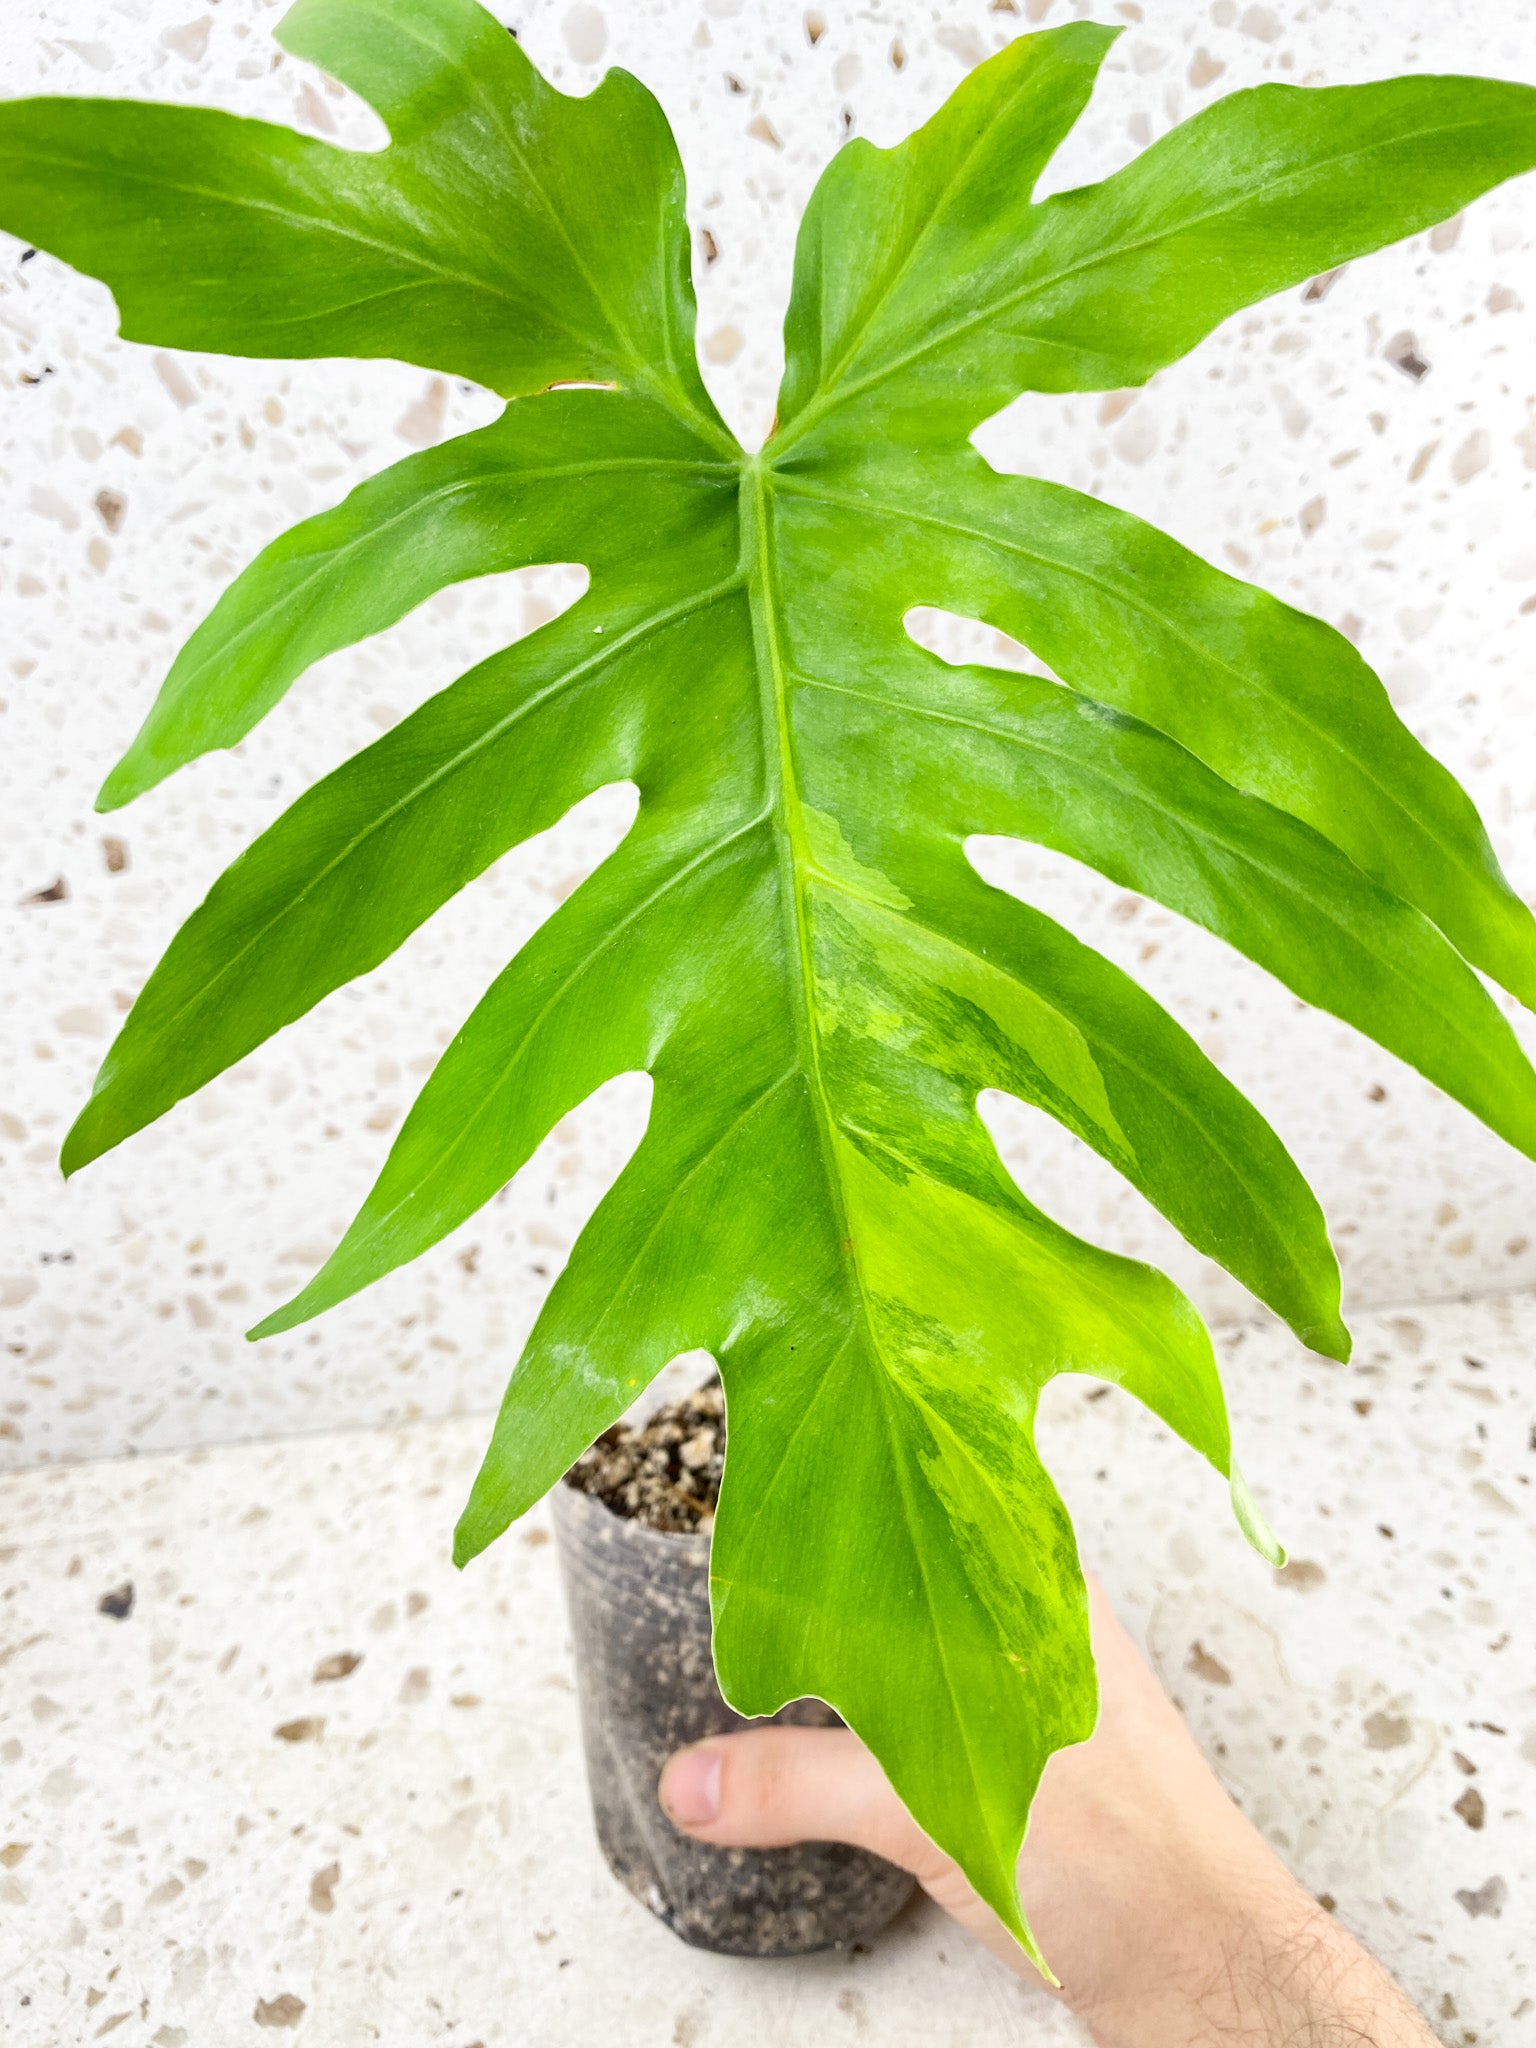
[
  {"x": 313, "y": 1779},
  {"x": 1293, "y": 447},
  {"x": 311, "y": 1783}
]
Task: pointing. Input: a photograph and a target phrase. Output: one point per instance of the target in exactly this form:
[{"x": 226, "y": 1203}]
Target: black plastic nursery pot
[{"x": 645, "y": 1679}]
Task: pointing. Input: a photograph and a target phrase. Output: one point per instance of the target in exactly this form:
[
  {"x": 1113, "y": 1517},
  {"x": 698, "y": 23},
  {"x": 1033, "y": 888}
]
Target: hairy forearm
[
  {"x": 1168, "y": 1920},
  {"x": 1282, "y": 1974}
]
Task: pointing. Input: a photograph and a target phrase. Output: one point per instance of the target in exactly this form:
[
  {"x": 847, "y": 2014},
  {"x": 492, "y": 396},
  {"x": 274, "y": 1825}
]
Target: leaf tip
[
  {"x": 122, "y": 785},
  {"x": 287, "y": 1317},
  {"x": 79, "y": 1147},
  {"x": 467, "y": 1541},
  {"x": 1251, "y": 1521},
  {"x": 1330, "y": 1340},
  {"x": 1023, "y": 1934}
]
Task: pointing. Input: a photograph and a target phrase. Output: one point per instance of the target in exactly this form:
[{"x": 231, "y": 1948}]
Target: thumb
[{"x": 768, "y": 1787}]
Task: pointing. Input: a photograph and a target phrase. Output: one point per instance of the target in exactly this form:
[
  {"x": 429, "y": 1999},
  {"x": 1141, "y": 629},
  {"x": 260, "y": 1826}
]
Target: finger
[{"x": 768, "y": 1787}]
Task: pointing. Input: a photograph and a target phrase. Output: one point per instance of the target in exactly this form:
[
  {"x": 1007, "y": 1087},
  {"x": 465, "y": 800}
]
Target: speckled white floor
[{"x": 206, "y": 1835}]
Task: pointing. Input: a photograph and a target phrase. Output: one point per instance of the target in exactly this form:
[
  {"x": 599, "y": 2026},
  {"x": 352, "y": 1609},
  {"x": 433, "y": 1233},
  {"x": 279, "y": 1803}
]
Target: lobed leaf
[
  {"x": 978, "y": 295},
  {"x": 479, "y": 242},
  {"x": 1020, "y": 756},
  {"x": 1278, "y": 703},
  {"x": 368, "y": 854},
  {"x": 567, "y": 475},
  {"x": 790, "y": 941}
]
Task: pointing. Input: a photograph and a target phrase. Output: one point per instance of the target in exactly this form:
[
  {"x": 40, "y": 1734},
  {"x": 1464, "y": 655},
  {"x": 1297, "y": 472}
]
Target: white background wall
[{"x": 1288, "y": 448}]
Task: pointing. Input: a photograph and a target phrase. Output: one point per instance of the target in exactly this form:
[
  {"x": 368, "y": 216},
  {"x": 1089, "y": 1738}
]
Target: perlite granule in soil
[{"x": 665, "y": 1473}]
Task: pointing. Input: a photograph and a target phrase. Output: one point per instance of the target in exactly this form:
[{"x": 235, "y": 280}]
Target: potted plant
[{"x": 790, "y": 940}]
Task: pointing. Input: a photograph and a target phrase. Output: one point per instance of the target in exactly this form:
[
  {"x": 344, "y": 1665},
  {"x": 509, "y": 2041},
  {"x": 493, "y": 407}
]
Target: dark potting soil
[{"x": 666, "y": 1473}]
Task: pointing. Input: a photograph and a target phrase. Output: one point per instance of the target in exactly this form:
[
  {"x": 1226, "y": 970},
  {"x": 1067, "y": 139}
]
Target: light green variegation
[{"x": 790, "y": 940}]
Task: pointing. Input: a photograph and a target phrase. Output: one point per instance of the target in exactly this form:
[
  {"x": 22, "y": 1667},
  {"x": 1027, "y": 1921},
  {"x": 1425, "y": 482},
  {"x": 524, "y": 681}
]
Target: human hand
[{"x": 1168, "y": 1918}]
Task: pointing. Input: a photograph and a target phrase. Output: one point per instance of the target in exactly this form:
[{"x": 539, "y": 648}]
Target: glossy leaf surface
[{"x": 791, "y": 941}]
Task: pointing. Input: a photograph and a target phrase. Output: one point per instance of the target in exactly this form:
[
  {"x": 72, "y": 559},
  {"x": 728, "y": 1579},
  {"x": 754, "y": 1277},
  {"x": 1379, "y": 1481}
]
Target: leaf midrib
[
  {"x": 759, "y": 573},
  {"x": 477, "y": 91},
  {"x": 797, "y": 868},
  {"x": 796, "y": 864},
  {"x": 903, "y": 269}
]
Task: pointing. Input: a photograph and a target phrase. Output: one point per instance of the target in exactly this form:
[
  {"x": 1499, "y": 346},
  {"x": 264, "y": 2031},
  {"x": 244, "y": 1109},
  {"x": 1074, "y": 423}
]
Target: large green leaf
[
  {"x": 930, "y": 289},
  {"x": 507, "y": 233},
  {"x": 570, "y": 478},
  {"x": 791, "y": 941}
]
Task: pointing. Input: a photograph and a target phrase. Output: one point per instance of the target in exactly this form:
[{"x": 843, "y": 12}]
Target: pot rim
[{"x": 573, "y": 1502}]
